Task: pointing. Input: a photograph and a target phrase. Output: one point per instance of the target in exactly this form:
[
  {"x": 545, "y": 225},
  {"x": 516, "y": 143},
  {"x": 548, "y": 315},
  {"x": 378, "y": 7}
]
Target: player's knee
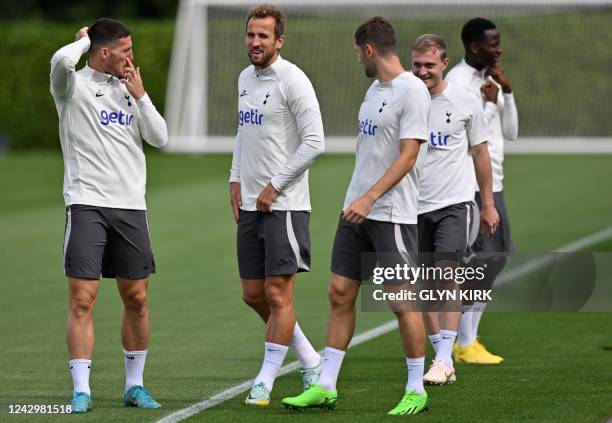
[
  {"x": 253, "y": 300},
  {"x": 339, "y": 297},
  {"x": 136, "y": 301},
  {"x": 278, "y": 297},
  {"x": 82, "y": 305}
]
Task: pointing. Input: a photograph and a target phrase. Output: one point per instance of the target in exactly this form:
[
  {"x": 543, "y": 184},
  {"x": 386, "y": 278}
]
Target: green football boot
[
  {"x": 412, "y": 403},
  {"x": 314, "y": 397}
]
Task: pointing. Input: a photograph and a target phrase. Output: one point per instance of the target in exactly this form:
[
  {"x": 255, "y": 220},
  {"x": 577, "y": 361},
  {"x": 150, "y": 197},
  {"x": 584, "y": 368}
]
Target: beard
[
  {"x": 263, "y": 60},
  {"x": 369, "y": 70},
  {"x": 117, "y": 70}
]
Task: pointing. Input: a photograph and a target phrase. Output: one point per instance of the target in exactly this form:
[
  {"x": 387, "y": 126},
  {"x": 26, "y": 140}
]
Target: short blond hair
[
  {"x": 266, "y": 10},
  {"x": 428, "y": 42}
]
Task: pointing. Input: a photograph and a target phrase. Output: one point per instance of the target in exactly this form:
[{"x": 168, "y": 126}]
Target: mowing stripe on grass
[{"x": 380, "y": 330}]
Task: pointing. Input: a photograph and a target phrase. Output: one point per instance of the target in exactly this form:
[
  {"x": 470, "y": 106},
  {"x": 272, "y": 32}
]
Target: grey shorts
[
  {"x": 112, "y": 242},
  {"x": 501, "y": 241},
  {"x": 273, "y": 244},
  {"x": 447, "y": 233},
  {"x": 392, "y": 243}
]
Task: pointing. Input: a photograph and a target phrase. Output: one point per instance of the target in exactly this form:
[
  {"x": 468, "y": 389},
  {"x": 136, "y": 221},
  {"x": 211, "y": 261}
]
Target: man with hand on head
[{"x": 104, "y": 114}]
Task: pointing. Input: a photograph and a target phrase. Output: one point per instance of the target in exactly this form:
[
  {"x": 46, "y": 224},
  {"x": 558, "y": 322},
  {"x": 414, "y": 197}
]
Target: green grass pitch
[{"x": 204, "y": 340}]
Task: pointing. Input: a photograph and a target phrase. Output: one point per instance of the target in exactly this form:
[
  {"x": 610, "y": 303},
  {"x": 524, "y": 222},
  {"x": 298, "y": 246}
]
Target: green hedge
[
  {"x": 559, "y": 65},
  {"x": 27, "y": 113}
]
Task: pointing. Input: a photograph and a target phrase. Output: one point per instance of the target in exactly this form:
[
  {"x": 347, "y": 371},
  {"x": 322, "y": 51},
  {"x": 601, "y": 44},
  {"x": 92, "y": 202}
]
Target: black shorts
[
  {"x": 273, "y": 244},
  {"x": 112, "y": 242},
  {"x": 501, "y": 241},
  {"x": 446, "y": 234},
  {"x": 393, "y": 243}
]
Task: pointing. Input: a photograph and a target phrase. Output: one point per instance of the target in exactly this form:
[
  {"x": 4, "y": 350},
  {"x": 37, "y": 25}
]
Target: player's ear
[
  {"x": 445, "y": 62},
  {"x": 103, "y": 52},
  {"x": 279, "y": 42},
  {"x": 474, "y": 47}
]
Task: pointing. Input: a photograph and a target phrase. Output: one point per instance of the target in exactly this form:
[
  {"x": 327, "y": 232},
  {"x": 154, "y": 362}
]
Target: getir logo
[
  {"x": 119, "y": 118},
  {"x": 251, "y": 116},
  {"x": 367, "y": 127},
  {"x": 438, "y": 140}
]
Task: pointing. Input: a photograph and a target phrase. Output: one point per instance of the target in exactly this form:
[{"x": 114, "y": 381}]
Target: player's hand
[
  {"x": 497, "y": 73},
  {"x": 358, "y": 210},
  {"x": 82, "y": 33},
  {"x": 489, "y": 220},
  {"x": 490, "y": 91},
  {"x": 133, "y": 81},
  {"x": 235, "y": 200},
  {"x": 266, "y": 198}
]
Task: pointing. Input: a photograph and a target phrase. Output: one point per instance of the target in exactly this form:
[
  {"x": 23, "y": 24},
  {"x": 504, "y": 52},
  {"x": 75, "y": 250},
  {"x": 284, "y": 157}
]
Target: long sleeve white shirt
[
  {"x": 101, "y": 128},
  {"x": 501, "y": 117},
  {"x": 280, "y": 133}
]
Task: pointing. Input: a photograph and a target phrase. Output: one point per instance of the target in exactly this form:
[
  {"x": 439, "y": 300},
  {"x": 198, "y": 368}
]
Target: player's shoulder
[
  {"x": 407, "y": 86},
  {"x": 289, "y": 71},
  {"x": 87, "y": 76},
  {"x": 247, "y": 72},
  {"x": 461, "y": 95},
  {"x": 84, "y": 73},
  {"x": 407, "y": 79},
  {"x": 460, "y": 73},
  {"x": 293, "y": 81}
]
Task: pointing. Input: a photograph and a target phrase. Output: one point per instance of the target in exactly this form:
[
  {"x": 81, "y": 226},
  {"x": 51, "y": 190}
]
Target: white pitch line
[
  {"x": 543, "y": 261},
  {"x": 368, "y": 335},
  {"x": 245, "y": 386}
]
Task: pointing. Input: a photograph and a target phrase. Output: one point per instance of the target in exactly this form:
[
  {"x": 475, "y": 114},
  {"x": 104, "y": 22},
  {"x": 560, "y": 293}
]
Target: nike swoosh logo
[
  {"x": 271, "y": 350},
  {"x": 447, "y": 337},
  {"x": 130, "y": 357},
  {"x": 467, "y": 259},
  {"x": 99, "y": 94},
  {"x": 242, "y": 95}
]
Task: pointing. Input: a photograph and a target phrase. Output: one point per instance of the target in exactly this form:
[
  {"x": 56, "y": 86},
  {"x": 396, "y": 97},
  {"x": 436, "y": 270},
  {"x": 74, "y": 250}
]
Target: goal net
[{"x": 556, "y": 54}]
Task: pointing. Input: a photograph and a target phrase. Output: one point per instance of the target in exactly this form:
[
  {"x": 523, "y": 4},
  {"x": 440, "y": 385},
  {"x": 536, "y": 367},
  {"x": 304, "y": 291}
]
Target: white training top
[
  {"x": 456, "y": 122},
  {"x": 391, "y": 111},
  {"x": 280, "y": 133},
  {"x": 100, "y": 129},
  {"x": 502, "y": 118}
]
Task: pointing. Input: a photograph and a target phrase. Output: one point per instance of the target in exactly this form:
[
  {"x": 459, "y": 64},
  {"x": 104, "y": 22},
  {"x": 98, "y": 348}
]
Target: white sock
[
  {"x": 478, "y": 309},
  {"x": 303, "y": 349},
  {"x": 332, "y": 361},
  {"x": 79, "y": 369},
  {"x": 435, "y": 341},
  {"x": 416, "y": 368},
  {"x": 134, "y": 367},
  {"x": 466, "y": 334},
  {"x": 445, "y": 347},
  {"x": 274, "y": 354}
]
